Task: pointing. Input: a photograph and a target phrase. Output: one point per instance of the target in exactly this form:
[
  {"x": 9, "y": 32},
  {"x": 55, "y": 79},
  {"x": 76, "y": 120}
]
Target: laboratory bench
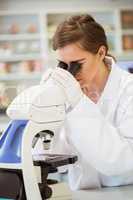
[
  {"x": 61, "y": 192},
  {"x": 108, "y": 193}
]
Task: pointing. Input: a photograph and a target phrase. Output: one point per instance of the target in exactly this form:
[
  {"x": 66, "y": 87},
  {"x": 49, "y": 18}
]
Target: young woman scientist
[{"x": 99, "y": 127}]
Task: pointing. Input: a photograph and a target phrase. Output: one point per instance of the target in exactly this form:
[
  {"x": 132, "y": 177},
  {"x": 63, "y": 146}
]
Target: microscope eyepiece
[{"x": 73, "y": 68}]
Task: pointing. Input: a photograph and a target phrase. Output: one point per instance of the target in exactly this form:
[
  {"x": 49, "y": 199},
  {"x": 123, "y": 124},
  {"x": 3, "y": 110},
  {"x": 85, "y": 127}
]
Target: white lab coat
[{"x": 101, "y": 135}]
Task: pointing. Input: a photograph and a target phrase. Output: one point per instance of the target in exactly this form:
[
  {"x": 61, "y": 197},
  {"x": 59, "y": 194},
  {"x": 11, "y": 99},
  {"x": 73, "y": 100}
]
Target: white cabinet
[
  {"x": 22, "y": 53},
  {"x": 20, "y": 43}
]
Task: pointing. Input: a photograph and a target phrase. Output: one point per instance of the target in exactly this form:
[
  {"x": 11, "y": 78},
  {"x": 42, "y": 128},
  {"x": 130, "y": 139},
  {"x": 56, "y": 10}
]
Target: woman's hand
[{"x": 67, "y": 82}]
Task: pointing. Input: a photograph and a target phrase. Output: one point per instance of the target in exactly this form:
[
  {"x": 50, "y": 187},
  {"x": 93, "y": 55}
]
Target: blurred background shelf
[
  {"x": 21, "y": 77},
  {"x": 24, "y": 36},
  {"x": 23, "y": 57},
  {"x": 128, "y": 31}
]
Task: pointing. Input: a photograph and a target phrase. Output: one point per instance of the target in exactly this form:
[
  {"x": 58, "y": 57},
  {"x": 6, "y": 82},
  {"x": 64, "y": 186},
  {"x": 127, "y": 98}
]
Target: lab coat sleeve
[
  {"x": 107, "y": 148},
  {"x": 60, "y": 144}
]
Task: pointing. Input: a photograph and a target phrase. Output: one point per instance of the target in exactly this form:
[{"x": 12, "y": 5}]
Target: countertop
[
  {"x": 108, "y": 193},
  {"x": 61, "y": 191}
]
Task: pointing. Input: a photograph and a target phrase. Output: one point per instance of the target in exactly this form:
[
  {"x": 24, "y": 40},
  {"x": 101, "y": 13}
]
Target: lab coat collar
[{"x": 111, "y": 88}]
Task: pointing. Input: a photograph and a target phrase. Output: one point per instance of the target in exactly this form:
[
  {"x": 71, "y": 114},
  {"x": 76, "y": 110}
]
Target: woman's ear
[{"x": 102, "y": 52}]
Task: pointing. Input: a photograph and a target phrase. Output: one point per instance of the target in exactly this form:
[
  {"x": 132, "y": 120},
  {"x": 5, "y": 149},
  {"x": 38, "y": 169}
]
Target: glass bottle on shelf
[
  {"x": 128, "y": 42},
  {"x": 127, "y": 19}
]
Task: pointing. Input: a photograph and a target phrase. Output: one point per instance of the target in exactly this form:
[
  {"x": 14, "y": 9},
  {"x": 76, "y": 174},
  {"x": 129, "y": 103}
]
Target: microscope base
[{"x": 12, "y": 184}]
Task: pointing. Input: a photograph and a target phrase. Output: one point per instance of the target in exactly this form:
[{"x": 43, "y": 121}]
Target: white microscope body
[{"x": 44, "y": 108}]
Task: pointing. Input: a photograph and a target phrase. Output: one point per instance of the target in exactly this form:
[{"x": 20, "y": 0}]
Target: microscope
[{"x": 36, "y": 113}]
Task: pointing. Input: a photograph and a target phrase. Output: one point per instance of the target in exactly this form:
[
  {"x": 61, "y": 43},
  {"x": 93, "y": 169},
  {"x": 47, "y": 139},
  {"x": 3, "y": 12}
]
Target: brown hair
[{"x": 82, "y": 29}]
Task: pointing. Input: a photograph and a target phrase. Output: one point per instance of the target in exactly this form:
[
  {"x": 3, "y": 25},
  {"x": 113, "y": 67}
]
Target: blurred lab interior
[{"x": 26, "y": 31}]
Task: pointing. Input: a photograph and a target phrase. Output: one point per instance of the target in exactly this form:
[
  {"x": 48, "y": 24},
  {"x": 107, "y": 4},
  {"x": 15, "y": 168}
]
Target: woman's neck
[
  {"x": 101, "y": 77},
  {"x": 99, "y": 82}
]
